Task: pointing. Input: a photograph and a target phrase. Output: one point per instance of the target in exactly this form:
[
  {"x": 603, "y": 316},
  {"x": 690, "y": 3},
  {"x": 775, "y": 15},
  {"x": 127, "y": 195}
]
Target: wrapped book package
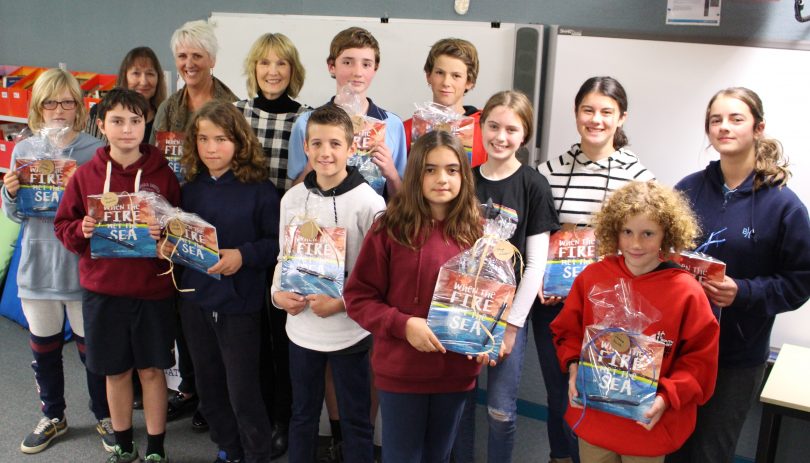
[
  {"x": 43, "y": 173},
  {"x": 313, "y": 257},
  {"x": 474, "y": 291},
  {"x": 122, "y": 224},
  {"x": 431, "y": 116},
  {"x": 570, "y": 250},
  {"x": 619, "y": 366},
  {"x": 189, "y": 240},
  {"x": 368, "y": 133}
]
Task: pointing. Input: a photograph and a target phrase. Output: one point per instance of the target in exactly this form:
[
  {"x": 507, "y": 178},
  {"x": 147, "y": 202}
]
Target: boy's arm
[
  {"x": 692, "y": 374},
  {"x": 395, "y": 139},
  {"x": 262, "y": 252},
  {"x": 567, "y": 328},
  {"x": 365, "y": 292},
  {"x": 69, "y": 216},
  {"x": 296, "y": 156}
]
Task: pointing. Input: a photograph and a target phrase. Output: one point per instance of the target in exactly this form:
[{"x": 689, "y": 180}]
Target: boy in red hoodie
[
  {"x": 644, "y": 221},
  {"x": 127, "y": 307}
]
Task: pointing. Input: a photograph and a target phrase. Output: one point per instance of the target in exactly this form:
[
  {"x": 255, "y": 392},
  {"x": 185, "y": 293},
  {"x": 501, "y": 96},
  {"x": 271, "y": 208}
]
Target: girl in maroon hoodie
[{"x": 421, "y": 385}]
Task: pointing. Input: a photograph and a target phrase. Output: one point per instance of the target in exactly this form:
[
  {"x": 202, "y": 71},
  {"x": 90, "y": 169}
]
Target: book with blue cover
[
  {"x": 122, "y": 226},
  {"x": 618, "y": 372},
  {"x": 193, "y": 243},
  {"x": 171, "y": 145},
  {"x": 42, "y": 182},
  {"x": 468, "y": 313},
  {"x": 313, "y": 260},
  {"x": 570, "y": 250}
]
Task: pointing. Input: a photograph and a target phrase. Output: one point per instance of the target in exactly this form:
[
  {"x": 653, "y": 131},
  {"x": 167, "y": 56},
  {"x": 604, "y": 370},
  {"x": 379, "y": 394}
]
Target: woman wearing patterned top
[
  {"x": 275, "y": 76},
  {"x": 581, "y": 180}
]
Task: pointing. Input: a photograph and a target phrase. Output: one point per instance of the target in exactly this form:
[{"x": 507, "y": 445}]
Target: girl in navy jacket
[{"x": 761, "y": 229}]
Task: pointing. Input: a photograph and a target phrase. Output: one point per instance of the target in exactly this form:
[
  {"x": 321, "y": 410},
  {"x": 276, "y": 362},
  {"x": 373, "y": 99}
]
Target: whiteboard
[
  {"x": 668, "y": 86},
  {"x": 404, "y": 45}
]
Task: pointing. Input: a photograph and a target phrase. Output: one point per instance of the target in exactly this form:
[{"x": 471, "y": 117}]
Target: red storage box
[
  {"x": 6, "y": 147},
  {"x": 20, "y": 92}
]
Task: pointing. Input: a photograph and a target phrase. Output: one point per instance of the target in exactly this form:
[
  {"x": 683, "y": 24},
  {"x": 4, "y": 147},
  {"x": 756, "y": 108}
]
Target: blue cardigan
[
  {"x": 766, "y": 251},
  {"x": 246, "y": 218}
]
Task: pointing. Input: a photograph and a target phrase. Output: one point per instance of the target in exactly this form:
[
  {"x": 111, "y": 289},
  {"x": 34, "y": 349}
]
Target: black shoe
[
  {"x": 198, "y": 422},
  {"x": 279, "y": 440},
  {"x": 179, "y": 405}
]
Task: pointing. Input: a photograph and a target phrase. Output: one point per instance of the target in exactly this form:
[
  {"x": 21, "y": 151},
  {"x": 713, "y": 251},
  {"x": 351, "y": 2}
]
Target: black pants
[
  {"x": 275, "y": 366},
  {"x": 225, "y": 351}
]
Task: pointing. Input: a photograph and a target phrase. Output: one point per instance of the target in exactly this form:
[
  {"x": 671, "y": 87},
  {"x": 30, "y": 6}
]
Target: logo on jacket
[
  {"x": 747, "y": 232},
  {"x": 661, "y": 337}
]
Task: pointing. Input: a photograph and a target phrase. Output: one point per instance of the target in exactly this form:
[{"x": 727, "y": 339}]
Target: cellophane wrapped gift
[
  {"x": 619, "y": 366},
  {"x": 43, "y": 173},
  {"x": 171, "y": 145},
  {"x": 190, "y": 241},
  {"x": 368, "y": 133},
  {"x": 570, "y": 250},
  {"x": 474, "y": 291},
  {"x": 122, "y": 224},
  {"x": 313, "y": 257},
  {"x": 431, "y": 116},
  {"x": 703, "y": 266}
]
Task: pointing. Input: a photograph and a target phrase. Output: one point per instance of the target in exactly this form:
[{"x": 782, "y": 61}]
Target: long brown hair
[
  {"x": 611, "y": 88},
  {"x": 770, "y": 164},
  {"x": 249, "y": 164},
  {"x": 408, "y": 220},
  {"x": 141, "y": 55}
]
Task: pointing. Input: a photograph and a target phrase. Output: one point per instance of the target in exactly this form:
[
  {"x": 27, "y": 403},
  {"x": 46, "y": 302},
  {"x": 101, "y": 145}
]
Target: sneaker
[
  {"x": 156, "y": 458},
  {"x": 119, "y": 456},
  {"x": 46, "y": 430},
  {"x": 222, "y": 457},
  {"x": 105, "y": 429}
]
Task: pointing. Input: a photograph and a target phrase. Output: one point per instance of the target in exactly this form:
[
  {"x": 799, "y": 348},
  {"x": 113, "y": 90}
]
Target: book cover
[
  {"x": 702, "y": 266},
  {"x": 42, "y": 182},
  {"x": 314, "y": 260},
  {"x": 171, "y": 145},
  {"x": 570, "y": 250},
  {"x": 468, "y": 314},
  {"x": 122, "y": 228},
  {"x": 194, "y": 243},
  {"x": 463, "y": 128},
  {"x": 368, "y": 132},
  {"x": 618, "y": 372}
]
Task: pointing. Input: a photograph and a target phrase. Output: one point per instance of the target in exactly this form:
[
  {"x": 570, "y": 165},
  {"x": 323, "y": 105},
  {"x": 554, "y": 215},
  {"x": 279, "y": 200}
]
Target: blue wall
[{"x": 93, "y": 35}]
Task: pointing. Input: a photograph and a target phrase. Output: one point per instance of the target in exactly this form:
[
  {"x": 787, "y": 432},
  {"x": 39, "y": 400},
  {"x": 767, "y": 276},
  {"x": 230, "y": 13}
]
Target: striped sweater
[{"x": 579, "y": 185}]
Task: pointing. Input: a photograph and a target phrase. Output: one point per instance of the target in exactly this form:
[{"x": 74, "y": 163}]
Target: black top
[{"x": 282, "y": 104}]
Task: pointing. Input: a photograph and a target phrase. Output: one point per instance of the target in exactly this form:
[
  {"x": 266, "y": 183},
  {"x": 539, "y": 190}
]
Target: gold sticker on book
[
  {"x": 176, "y": 227},
  {"x": 309, "y": 230},
  {"x": 109, "y": 199},
  {"x": 46, "y": 167},
  {"x": 503, "y": 251},
  {"x": 620, "y": 342}
]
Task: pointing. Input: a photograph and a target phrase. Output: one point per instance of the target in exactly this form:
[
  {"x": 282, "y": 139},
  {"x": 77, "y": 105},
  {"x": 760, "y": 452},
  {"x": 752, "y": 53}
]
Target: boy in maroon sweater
[{"x": 127, "y": 307}]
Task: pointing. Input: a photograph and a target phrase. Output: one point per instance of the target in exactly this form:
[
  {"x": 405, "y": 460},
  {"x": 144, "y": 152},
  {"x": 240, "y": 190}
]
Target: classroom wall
[{"x": 94, "y": 35}]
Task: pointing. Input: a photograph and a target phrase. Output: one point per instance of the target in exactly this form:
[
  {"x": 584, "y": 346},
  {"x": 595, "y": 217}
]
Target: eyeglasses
[{"x": 67, "y": 105}]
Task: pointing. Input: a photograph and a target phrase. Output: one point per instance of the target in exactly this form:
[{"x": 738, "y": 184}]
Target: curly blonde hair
[
  {"x": 249, "y": 165},
  {"x": 661, "y": 204}
]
